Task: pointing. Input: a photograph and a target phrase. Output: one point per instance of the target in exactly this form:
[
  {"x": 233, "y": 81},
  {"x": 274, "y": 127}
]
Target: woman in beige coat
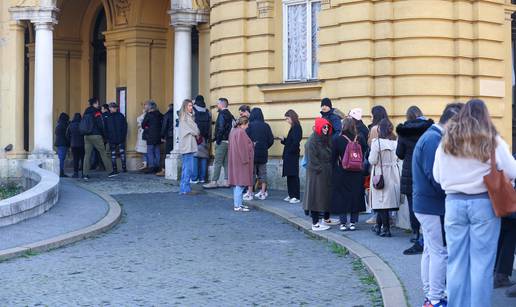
[
  {"x": 141, "y": 144},
  {"x": 384, "y": 162},
  {"x": 187, "y": 147}
]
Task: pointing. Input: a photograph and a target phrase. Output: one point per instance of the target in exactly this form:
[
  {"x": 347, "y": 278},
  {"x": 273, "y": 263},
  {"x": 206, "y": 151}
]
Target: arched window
[{"x": 300, "y": 41}]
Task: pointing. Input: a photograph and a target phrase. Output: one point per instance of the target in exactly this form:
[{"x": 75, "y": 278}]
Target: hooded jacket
[
  {"x": 223, "y": 126},
  {"x": 98, "y": 127},
  {"x": 261, "y": 135},
  {"x": 60, "y": 131},
  {"x": 74, "y": 134},
  {"x": 334, "y": 120},
  {"x": 167, "y": 129},
  {"x": 203, "y": 119},
  {"x": 116, "y": 128},
  {"x": 152, "y": 127},
  {"x": 409, "y": 133}
]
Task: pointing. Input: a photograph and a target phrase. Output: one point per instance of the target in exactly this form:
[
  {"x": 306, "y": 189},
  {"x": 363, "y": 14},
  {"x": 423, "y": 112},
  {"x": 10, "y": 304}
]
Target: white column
[
  {"x": 182, "y": 66},
  {"x": 43, "y": 88}
]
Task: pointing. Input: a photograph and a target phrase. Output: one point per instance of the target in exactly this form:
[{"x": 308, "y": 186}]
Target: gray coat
[
  {"x": 318, "y": 174},
  {"x": 389, "y": 197}
]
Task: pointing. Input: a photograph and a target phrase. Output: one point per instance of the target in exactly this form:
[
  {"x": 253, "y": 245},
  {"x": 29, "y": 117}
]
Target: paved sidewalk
[
  {"x": 77, "y": 208},
  {"x": 389, "y": 249}
]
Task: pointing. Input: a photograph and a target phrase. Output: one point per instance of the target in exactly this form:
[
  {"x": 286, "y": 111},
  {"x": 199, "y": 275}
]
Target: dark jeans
[
  {"x": 414, "y": 223},
  {"x": 121, "y": 150},
  {"x": 153, "y": 155},
  {"x": 506, "y": 245},
  {"x": 293, "y": 187},
  {"x": 353, "y": 218},
  {"x": 61, "y": 154},
  {"x": 78, "y": 158},
  {"x": 316, "y": 216},
  {"x": 383, "y": 218},
  {"x": 169, "y": 145}
]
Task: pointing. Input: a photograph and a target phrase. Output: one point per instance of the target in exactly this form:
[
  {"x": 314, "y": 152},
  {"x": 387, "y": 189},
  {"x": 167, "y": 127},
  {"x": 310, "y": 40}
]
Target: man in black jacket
[
  {"x": 116, "y": 133},
  {"x": 94, "y": 138},
  {"x": 152, "y": 134},
  {"x": 167, "y": 129},
  {"x": 223, "y": 126}
]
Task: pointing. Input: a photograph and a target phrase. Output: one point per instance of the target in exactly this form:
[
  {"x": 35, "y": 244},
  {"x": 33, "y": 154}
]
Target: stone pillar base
[
  {"x": 173, "y": 166},
  {"x": 10, "y": 168},
  {"x": 48, "y": 161}
]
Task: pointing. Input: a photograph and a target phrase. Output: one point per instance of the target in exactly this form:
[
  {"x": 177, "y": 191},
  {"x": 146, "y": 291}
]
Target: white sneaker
[
  {"x": 263, "y": 196},
  {"x": 294, "y": 201},
  {"x": 241, "y": 209},
  {"x": 257, "y": 195},
  {"x": 194, "y": 181},
  {"x": 352, "y": 227},
  {"x": 330, "y": 222},
  {"x": 248, "y": 196},
  {"x": 343, "y": 227},
  {"x": 287, "y": 198},
  {"x": 320, "y": 227}
]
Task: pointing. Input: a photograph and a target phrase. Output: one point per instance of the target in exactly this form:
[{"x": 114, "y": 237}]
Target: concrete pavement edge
[
  {"x": 393, "y": 293},
  {"x": 111, "y": 219}
]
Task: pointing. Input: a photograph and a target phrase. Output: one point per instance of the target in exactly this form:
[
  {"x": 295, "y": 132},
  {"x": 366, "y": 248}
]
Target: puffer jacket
[
  {"x": 116, "y": 128},
  {"x": 408, "y": 134}
]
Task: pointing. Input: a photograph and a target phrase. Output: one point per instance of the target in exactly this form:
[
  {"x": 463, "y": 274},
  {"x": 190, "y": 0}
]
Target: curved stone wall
[{"x": 41, "y": 195}]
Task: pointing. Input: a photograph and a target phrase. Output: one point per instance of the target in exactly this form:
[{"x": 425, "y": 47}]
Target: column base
[
  {"x": 173, "y": 166},
  {"x": 47, "y": 160}
]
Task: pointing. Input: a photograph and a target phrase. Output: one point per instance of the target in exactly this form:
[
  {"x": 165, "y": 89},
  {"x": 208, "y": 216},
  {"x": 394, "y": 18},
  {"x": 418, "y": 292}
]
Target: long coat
[
  {"x": 348, "y": 186},
  {"x": 188, "y": 131},
  {"x": 152, "y": 127},
  {"x": 389, "y": 197},
  {"x": 240, "y": 158},
  {"x": 318, "y": 174},
  {"x": 141, "y": 144},
  {"x": 291, "y": 150},
  {"x": 408, "y": 135}
]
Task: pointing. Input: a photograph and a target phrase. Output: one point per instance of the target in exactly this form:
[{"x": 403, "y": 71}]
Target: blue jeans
[
  {"x": 61, "y": 154},
  {"x": 186, "y": 173},
  {"x": 153, "y": 155},
  {"x": 238, "y": 196},
  {"x": 472, "y": 231},
  {"x": 199, "y": 173}
]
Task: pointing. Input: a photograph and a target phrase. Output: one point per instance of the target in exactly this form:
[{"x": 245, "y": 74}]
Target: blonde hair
[
  {"x": 241, "y": 121},
  {"x": 470, "y": 133},
  {"x": 183, "y": 111}
]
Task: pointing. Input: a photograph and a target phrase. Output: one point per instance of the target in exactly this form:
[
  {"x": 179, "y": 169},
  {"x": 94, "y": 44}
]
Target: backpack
[
  {"x": 203, "y": 121},
  {"x": 353, "y": 157},
  {"x": 87, "y": 124}
]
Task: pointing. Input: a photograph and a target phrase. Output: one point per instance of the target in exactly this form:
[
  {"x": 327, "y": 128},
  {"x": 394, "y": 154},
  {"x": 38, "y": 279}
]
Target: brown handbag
[{"x": 500, "y": 189}]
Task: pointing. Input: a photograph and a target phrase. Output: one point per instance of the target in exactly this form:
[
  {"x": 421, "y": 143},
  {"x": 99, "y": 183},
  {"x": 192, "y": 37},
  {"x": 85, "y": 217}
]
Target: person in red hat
[{"x": 318, "y": 154}]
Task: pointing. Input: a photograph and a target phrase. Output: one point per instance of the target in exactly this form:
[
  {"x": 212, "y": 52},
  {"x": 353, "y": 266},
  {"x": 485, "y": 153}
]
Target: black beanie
[{"x": 326, "y": 102}]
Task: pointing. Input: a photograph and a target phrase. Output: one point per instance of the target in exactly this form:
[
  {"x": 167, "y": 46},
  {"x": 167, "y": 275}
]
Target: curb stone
[
  {"x": 393, "y": 293},
  {"x": 112, "y": 218}
]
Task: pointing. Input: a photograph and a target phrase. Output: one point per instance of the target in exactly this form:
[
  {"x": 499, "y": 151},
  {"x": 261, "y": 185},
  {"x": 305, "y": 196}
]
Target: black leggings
[
  {"x": 383, "y": 219},
  {"x": 293, "y": 187},
  {"x": 414, "y": 223},
  {"x": 316, "y": 216},
  {"x": 78, "y": 158}
]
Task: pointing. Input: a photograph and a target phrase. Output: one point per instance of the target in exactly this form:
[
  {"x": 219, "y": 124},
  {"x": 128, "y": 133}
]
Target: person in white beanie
[{"x": 356, "y": 114}]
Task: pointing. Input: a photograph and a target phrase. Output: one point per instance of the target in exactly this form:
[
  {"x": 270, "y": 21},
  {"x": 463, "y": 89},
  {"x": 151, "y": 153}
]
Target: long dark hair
[
  {"x": 63, "y": 118},
  {"x": 77, "y": 117},
  {"x": 293, "y": 116},
  {"x": 378, "y": 113},
  {"x": 386, "y": 130},
  {"x": 413, "y": 113}
]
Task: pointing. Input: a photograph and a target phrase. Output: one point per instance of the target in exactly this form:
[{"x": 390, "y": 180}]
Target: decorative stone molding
[
  {"x": 325, "y": 4},
  {"x": 265, "y": 8},
  {"x": 183, "y": 13},
  {"x": 37, "y": 15},
  {"x": 122, "y": 8}
]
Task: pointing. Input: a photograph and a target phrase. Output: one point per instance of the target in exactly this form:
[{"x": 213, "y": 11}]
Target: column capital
[
  {"x": 187, "y": 17},
  {"x": 37, "y": 15}
]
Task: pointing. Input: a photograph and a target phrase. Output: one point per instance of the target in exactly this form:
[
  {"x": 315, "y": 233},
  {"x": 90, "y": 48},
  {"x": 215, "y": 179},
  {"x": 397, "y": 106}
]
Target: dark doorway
[
  {"x": 99, "y": 57},
  {"x": 195, "y": 62},
  {"x": 26, "y": 90}
]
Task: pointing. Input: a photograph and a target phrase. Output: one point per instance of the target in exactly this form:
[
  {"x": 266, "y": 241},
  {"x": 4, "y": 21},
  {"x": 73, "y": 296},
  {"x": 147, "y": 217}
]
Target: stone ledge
[
  {"x": 392, "y": 291},
  {"x": 112, "y": 218},
  {"x": 42, "y": 194}
]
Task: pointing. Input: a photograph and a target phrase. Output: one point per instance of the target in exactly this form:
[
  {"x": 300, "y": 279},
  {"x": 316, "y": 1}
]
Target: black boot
[
  {"x": 62, "y": 174},
  {"x": 502, "y": 281},
  {"x": 414, "y": 249},
  {"x": 415, "y": 237},
  {"x": 386, "y": 232}
]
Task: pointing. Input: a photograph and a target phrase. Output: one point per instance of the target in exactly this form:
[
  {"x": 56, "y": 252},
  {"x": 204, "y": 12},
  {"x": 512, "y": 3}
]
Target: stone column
[{"x": 43, "y": 88}]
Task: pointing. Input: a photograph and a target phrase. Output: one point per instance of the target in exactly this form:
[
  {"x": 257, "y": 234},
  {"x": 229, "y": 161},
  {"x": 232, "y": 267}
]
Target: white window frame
[{"x": 309, "y": 71}]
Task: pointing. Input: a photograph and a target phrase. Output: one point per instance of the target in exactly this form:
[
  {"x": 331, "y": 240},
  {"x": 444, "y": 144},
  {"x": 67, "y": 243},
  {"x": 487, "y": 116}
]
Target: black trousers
[
  {"x": 506, "y": 246},
  {"x": 353, "y": 218},
  {"x": 316, "y": 215},
  {"x": 383, "y": 218},
  {"x": 293, "y": 187},
  {"x": 169, "y": 145},
  {"x": 121, "y": 150},
  {"x": 414, "y": 223},
  {"x": 78, "y": 158}
]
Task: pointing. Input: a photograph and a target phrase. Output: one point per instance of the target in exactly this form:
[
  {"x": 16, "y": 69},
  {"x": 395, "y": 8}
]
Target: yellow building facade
[{"x": 272, "y": 54}]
